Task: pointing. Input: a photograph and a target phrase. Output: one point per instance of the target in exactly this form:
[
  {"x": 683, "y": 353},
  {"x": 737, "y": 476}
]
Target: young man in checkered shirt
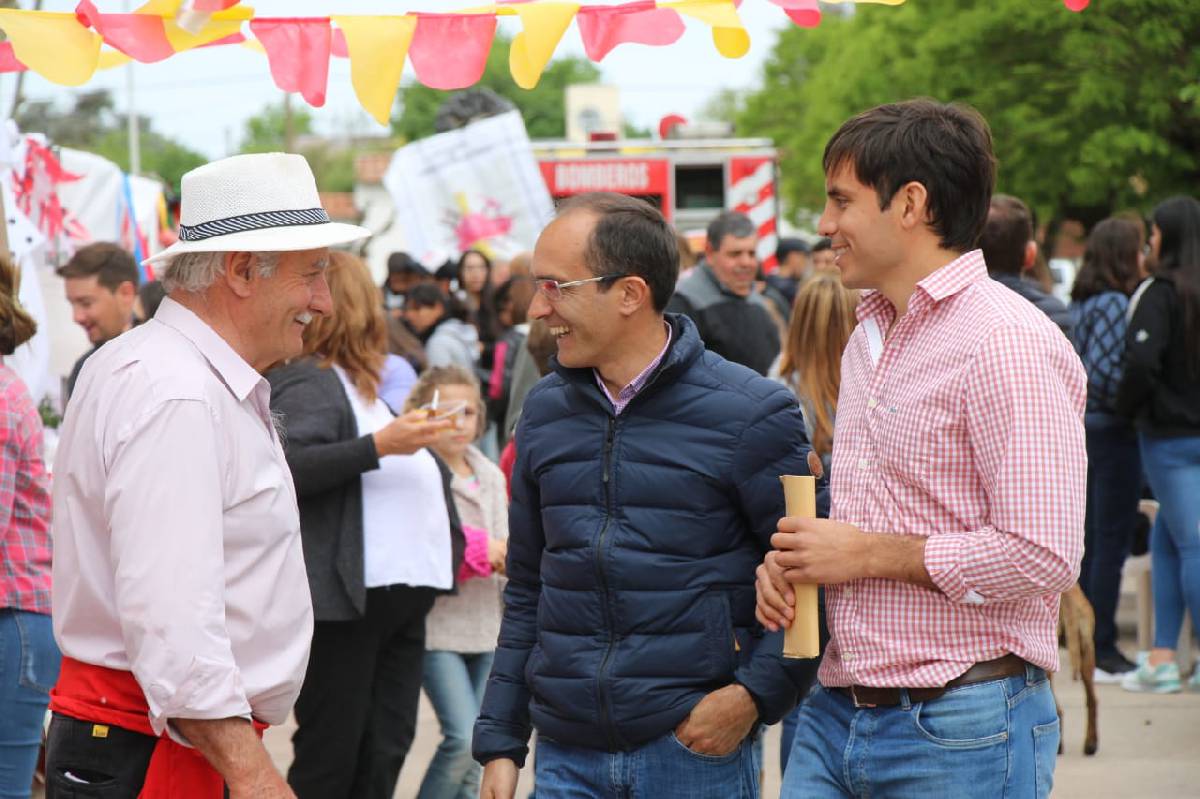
[{"x": 957, "y": 486}]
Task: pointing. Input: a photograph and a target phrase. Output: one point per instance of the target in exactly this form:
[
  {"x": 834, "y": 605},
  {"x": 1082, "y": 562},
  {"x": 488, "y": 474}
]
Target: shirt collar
[
  {"x": 963, "y": 271},
  {"x": 238, "y": 375}
]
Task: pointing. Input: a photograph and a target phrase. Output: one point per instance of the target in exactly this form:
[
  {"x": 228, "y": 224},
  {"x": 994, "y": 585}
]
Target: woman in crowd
[
  {"x": 462, "y": 629},
  {"x": 381, "y": 539},
  {"x": 1161, "y": 390},
  {"x": 439, "y": 320},
  {"x": 811, "y": 366},
  {"x": 478, "y": 293},
  {"x": 811, "y": 361},
  {"x": 1112, "y": 268},
  {"x": 29, "y": 657}
]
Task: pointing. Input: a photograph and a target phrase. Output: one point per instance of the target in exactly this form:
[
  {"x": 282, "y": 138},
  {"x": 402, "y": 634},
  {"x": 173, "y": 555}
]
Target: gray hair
[
  {"x": 196, "y": 271},
  {"x": 729, "y": 223}
]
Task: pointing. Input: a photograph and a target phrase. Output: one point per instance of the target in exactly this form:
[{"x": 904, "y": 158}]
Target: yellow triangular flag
[
  {"x": 377, "y": 47},
  {"x": 221, "y": 24},
  {"x": 53, "y": 45},
  {"x": 729, "y": 35},
  {"x": 543, "y": 25},
  {"x": 112, "y": 58}
]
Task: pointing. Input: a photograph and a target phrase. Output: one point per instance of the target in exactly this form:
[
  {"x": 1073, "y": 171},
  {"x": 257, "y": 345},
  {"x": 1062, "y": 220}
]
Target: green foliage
[
  {"x": 266, "y": 132},
  {"x": 1094, "y": 111},
  {"x": 93, "y": 125},
  {"x": 543, "y": 107}
]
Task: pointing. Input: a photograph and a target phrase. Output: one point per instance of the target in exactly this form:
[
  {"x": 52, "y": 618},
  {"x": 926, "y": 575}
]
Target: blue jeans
[
  {"x": 787, "y": 734},
  {"x": 1173, "y": 471},
  {"x": 661, "y": 769},
  {"x": 1114, "y": 485},
  {"x": 29, "y": 662},
  {"x": 990, "y": 739},
  {"x": 454, "y": 683}
]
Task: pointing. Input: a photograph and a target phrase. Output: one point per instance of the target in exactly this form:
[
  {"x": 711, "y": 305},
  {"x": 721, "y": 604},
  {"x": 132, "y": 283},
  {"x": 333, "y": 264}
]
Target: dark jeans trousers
[
  {"x": 357, "y": 711},
  {"x": 1114, "y": 485}
]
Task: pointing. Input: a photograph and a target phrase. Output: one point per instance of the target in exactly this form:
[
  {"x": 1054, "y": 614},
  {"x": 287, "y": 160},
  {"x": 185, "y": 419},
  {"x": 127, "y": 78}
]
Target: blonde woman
[
  {"x": 381, "y": 541},
  {"x": 811, "y": 361}
]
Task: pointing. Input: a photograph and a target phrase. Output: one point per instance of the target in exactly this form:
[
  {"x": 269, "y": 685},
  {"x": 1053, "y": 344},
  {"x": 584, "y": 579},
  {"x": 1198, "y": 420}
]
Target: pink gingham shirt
[
  {"x": 963, "y": 423},
  {"x": 626, "y": 395},
  {"x": 24, "y": 501}
]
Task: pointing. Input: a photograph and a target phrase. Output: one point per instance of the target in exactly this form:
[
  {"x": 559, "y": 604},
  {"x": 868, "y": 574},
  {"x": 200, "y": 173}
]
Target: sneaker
[
  {"x": 1149, "y": 679},
  {"x": 1112, "y": 668}
]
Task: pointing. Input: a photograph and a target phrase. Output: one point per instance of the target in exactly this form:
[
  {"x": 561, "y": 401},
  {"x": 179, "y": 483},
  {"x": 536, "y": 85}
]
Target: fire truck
[{"x": 689, "y": 180}]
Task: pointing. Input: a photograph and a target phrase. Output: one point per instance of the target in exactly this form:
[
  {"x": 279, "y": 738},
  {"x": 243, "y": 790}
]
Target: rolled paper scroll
[{"x": 802, "y": 639}]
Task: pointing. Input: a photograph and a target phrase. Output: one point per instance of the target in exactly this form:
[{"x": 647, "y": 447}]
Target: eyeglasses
[{"x": 552, "y": 289}]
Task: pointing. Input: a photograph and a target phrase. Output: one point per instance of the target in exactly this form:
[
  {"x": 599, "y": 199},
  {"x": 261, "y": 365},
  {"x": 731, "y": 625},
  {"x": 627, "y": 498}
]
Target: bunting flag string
[{"x": 446, "y": 50}]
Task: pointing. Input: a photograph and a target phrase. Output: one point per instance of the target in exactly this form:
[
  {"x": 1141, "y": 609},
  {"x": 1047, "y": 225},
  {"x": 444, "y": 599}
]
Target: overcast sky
[{"x": 203, "y": 97}]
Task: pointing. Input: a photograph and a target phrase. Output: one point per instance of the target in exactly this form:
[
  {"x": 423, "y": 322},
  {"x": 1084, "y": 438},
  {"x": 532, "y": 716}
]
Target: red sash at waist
[{"x": 109, "y": 696}]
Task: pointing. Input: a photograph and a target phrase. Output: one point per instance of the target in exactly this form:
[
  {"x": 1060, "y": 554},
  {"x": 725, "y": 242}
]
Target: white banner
[{"x": 475, "y": 187}]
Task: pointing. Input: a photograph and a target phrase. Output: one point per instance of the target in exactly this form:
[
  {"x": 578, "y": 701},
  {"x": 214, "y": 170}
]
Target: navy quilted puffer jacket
[{"x": 632, "y": 550}]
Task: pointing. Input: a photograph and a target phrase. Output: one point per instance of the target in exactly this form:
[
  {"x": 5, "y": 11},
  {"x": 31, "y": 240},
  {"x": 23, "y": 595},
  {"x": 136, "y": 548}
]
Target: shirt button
[
  {"x": 872, "y": 402},
  {"x": 847, "y": 656},
  {"x": 863, "y": 463}
]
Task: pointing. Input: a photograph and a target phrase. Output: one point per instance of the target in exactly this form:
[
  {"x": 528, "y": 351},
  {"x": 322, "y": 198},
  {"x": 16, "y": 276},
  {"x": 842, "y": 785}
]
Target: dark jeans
[
  {"x": 1114, "y": 486},
  {"x": 109, "y": 767},
  {"x": 357, "y": 711}
]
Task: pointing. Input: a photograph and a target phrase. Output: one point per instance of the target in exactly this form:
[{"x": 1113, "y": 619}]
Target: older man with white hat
[{"x": 180, "y": 597}]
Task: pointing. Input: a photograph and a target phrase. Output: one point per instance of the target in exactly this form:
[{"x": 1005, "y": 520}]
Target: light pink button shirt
[{"x": 176, "y": 536}]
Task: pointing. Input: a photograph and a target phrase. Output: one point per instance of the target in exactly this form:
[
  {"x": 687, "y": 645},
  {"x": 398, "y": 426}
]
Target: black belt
[{"x": 869, "y": 696}]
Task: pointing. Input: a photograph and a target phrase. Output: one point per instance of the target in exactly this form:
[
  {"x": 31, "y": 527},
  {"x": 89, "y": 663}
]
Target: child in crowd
[{"x": 461, "y": 630}]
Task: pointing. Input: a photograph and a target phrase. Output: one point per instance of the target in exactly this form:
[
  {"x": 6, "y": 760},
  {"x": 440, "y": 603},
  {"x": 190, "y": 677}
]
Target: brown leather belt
[{"x": 868, "y": 696}]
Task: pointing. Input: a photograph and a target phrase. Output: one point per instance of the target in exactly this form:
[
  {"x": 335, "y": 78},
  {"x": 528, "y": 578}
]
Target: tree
[
  {"x": 93, "y": 125},
  {"x": 1096, "y": 111},
  {"x": 543, "y": 107},
  {"x": 267, "y": 131}
]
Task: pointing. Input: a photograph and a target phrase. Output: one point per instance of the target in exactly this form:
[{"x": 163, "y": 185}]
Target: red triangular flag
[
  {"x": 805, "y": 13},
  {"x": 604, "y": 27},
  {"x": 8, "y": 59},
  {"x": 139, "y": 36},
  {"x": 449, "y": 51},
  {"x": 298, "y": 52}
]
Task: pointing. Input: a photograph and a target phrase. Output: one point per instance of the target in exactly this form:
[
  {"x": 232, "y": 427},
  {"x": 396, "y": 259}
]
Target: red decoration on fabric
[
  {"x": 449, "y": 51},
  {"x": 35, "y": 191},
  {"x": 298, "y": 52},
  {"x": 8, "y": 59},
  {"x": 339, "y": 48},
  {"x": 139, "y": 36},
  {"x": 805, "y": 13},
  {"x": 604, "y": 27},
  {"x": 112, "y": 697}
]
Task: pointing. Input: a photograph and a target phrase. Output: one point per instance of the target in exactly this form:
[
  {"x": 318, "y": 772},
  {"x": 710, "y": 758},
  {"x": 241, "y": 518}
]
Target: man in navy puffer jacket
[{"x": 645, "y": 493}]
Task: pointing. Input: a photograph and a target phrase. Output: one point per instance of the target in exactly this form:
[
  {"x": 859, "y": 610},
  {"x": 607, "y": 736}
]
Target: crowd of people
[{"x": 544, "y": 490}]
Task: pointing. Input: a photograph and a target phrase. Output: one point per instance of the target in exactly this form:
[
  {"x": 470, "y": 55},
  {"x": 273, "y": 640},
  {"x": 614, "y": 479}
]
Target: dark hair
[
  {"x": 1178, "y": 222},
  {"x": 402, "y": 262},
  {"x": 151, "y": 294},
  {"x": 427, "y": 295},
  {"x": 729, "y": 223},
  {"x": 16, "y": 325},
  {"x": 947, "y": 148},
  {"x": 1110, "y": 262},
  {"x": 1008, "y": 230},
  {"x": 630, "y": 238},
  {"x": 105, "y": 261},
  {"x": 823, "y": 244},
  {"x": 788, "y": 246}
]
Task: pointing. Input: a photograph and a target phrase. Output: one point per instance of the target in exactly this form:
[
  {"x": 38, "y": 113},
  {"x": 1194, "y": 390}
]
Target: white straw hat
[{"x": 261, "y": 202}]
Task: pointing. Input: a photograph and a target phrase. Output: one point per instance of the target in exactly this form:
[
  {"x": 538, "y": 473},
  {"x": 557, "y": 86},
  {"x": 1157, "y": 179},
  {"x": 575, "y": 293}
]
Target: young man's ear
[
  {"x": 1031, "y": 251},
  {"x": 914, "y": 199}
]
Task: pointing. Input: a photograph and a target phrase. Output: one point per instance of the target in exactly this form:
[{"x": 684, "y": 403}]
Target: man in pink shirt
[
  {"x": 181, "y": 601},
  {"x": 957, "y": 486}
]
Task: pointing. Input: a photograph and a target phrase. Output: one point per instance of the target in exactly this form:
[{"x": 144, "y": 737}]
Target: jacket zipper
[{"x": 601, "y": 689}]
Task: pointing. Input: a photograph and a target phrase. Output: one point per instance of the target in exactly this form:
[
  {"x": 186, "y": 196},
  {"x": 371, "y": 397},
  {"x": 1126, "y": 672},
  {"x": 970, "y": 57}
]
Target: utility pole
[
  {"x": 133, "y": 128},
  {"x": 289, "y": 132}
]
